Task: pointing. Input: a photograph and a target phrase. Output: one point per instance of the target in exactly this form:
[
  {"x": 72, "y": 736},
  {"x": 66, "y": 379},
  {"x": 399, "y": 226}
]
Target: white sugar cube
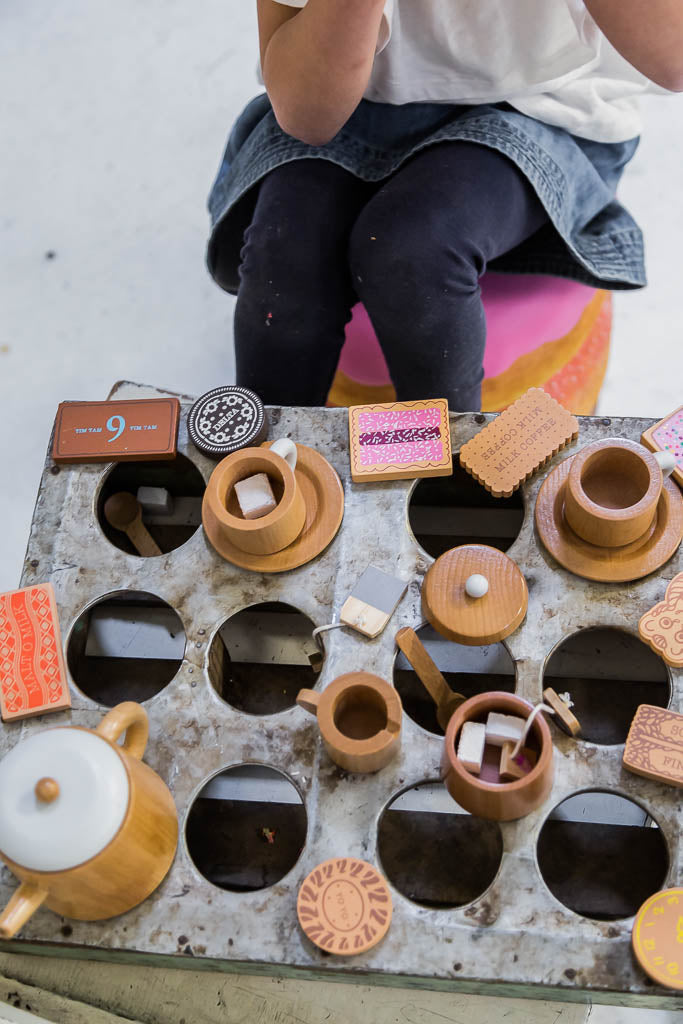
[
  {"x": 255, "y": 496},
  {"x": 501, "y": 729},
  {"x": 471, "y": 745},
  {"x": 155, "y": 500}
]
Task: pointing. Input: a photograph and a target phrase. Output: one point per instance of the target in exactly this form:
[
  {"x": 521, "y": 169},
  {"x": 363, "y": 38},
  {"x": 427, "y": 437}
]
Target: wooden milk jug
[{"x": 89, "y": 829}]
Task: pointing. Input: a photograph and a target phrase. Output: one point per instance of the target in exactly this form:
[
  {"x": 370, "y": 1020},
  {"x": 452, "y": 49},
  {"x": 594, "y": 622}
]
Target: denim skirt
[{"x": 590, "y": 236}]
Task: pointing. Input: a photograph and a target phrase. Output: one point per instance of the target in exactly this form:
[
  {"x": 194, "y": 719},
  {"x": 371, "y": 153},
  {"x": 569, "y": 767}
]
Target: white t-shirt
[{"x": 547, "y": 58}]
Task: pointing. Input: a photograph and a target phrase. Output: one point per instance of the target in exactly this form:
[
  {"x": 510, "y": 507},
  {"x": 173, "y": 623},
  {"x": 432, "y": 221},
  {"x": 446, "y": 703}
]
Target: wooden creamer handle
[
  {"x": 130, "y": 718},
  {"x": 308, "y": 700}
]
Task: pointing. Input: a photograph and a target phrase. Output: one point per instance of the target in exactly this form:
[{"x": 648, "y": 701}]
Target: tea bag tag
[{"x": 372, "y": 601}]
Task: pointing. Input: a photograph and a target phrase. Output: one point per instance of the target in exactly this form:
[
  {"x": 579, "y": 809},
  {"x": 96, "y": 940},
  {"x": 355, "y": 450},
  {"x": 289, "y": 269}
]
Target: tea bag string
[
  {"x": 527, "y": 726},
  {"x": 324, "y": 629}
]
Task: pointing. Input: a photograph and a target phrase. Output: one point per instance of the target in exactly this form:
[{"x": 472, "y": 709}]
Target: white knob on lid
[
  {"x": 667, "y": 462},
  {"x": 476, "y": 585},
  {"x": 63, "y": 797}
]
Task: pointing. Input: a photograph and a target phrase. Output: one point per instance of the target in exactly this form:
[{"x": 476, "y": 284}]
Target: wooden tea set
[{"x": 91, "y": 831}]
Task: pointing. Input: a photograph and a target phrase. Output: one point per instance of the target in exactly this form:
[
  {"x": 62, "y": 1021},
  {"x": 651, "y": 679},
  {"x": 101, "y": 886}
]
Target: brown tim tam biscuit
[
  {"x": 654, "y": 746},
  {"x": 131, "y": 430}
]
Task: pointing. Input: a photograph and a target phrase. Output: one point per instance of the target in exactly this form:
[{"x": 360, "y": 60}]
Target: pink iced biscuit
[
  {"x": 669, "y": 437},
  {"x": 401, "y": 454},
  {"x": 399, "y": 419}
]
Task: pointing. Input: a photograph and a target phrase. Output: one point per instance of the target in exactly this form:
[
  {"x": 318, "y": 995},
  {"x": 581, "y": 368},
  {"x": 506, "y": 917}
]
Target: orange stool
[{"x": 545, "y": 332}]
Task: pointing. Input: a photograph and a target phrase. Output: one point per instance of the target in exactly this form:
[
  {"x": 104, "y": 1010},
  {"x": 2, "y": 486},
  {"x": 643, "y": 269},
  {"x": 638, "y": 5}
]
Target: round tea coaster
[
  {"x": 344, "y": 906},
  {"x": 479, "y": 620},
  {"x": 657, "y": 937},
  {"x": 226, "y": 419}
]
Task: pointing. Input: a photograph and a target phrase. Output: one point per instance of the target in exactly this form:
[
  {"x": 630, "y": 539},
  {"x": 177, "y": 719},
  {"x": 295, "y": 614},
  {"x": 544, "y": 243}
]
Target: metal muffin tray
[{"x": 514, "y": 937}]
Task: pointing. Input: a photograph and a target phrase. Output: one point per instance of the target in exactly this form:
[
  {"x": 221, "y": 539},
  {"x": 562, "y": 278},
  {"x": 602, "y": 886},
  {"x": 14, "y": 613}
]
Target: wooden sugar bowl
[
  {"x": 359, "y": 716},
  {"x": 481, "y": 796},
  {"x": 89, "y": 829}
]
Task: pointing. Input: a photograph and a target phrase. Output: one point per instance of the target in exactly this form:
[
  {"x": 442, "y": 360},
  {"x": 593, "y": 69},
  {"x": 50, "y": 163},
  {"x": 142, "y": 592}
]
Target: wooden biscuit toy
[
  {"x": 400, "y": 440},
  {"x": 657, "y": 937},
  {"x": 518, "y": 442},
  {"x": 117, "y": 431},
  {"x": 667, "y": 436},
  {"x": 372, "y": 601},
  {"x": 32, "y": 674},
  {"x": 662, "y": 627},
  {"x": 654, "y": 745},
  {"x": 344, "y": 906},
  {"x": 226, "y": 419}
]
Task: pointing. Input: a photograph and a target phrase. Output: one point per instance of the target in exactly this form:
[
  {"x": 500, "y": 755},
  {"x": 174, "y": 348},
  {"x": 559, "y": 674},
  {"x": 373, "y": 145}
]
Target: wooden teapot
[{"x": 89, "y": 829}]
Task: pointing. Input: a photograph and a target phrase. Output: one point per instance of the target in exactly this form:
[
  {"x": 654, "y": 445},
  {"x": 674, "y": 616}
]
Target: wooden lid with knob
[{"x": 475, "y": 595}]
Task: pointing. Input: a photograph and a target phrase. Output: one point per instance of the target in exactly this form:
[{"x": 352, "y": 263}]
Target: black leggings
[{"x": 411, "y": 248}]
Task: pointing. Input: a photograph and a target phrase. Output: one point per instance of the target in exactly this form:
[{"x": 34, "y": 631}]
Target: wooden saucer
[
  {"x": 475, "y": 621},
  {"x": 344, "y": 906},
  {"x": 324, "y": 497},
  {"x": 657, "y": 937},
  {"x": 607, "y": 565}
]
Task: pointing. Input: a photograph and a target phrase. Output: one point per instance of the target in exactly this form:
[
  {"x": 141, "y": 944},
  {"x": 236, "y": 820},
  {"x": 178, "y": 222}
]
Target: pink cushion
[{"x": 522, "y": 313}]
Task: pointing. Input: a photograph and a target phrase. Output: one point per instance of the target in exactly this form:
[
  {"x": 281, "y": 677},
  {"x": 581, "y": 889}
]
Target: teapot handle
[
  {"x": 24, "y": 902},
  {"x": 130, "y": 718}
]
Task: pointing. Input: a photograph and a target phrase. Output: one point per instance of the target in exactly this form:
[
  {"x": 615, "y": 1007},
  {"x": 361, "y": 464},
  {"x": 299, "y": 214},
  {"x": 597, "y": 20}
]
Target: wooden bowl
[
  {"x": 498, "y": 801},
  {"x": 270, "y": 533},
  {"x": 612, "y": 492},
  {"x": 359, "y": 716}
]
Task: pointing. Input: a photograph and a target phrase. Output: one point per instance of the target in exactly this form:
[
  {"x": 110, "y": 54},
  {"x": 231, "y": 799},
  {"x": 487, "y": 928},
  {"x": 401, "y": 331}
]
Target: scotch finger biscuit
[
  {"x": 32, "y": 674},
  {"x": 226, "y": 419}
]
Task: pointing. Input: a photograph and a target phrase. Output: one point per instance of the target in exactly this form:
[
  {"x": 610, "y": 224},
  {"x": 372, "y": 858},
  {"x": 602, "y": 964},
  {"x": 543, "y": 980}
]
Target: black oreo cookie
[{"x": 226, "y": 419}]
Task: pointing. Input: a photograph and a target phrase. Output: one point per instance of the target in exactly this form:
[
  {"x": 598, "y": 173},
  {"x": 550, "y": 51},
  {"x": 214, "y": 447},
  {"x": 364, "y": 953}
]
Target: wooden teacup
[
  {"x": 359, "y": 716},
  {"x": 612, "y": 492},
  {"x": 272, "y": 532},
  {"x": 498, "y": 801}
]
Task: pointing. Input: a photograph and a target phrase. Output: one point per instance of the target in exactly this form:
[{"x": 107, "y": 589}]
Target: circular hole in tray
[
  {"x": 261, "y": 657},
  {"x": 447, "y": 511},
  {"x": 180, "y": 478},
  {"x": 602, "y": 855},
  {"x": 127, "y": 646},
  {"x": 246, "y": 828},
  {"x": 467, "y": 670},
  {"x": 607, "y": 673},
  {"x": 433, "y": 851}
]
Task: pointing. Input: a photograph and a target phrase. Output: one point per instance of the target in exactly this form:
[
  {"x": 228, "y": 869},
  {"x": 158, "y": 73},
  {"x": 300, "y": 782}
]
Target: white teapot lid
[{"x": 76, "y": 810}]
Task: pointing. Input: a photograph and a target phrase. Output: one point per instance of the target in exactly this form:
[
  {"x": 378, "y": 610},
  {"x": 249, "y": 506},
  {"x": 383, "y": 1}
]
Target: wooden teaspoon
[
  {"x": 446, "y": 700},
  {"x": 124, "y": 512}
]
